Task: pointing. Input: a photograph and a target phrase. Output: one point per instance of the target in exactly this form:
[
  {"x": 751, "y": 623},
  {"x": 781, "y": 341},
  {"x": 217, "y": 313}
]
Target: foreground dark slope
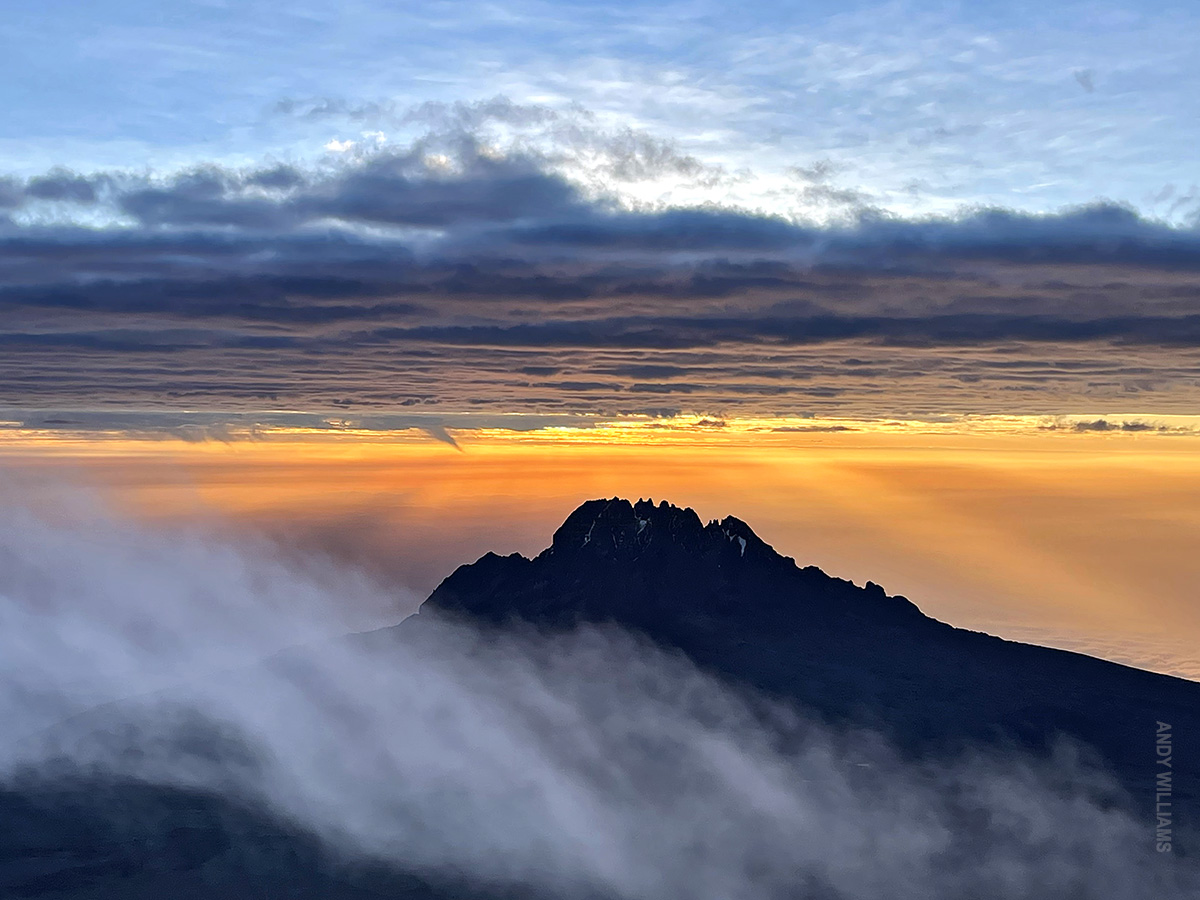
[{"x": 854, "y": 654}]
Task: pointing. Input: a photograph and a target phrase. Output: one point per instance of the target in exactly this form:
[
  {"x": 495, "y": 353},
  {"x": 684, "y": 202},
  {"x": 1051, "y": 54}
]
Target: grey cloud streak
[{"x": 447, "y": 275}]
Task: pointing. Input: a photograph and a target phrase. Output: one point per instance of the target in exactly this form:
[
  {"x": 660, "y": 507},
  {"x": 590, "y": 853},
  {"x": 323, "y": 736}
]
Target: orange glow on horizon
[{"x": 1081, "y": 538}]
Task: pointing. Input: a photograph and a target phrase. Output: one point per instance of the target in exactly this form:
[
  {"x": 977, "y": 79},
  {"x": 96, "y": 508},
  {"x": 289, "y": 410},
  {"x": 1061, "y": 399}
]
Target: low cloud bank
[
  {"x": 447, "y": 271},
  {"x": 588, "y": 762}
]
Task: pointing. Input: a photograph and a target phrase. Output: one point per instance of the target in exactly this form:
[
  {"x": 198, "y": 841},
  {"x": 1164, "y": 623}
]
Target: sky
[{"x": 913, "y": 288}]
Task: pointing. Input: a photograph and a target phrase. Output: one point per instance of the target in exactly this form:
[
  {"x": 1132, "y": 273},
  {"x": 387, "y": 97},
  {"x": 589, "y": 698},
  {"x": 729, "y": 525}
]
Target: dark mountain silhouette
[
  {"x": 714, "y": 592},
  {"x": 854, "y": 654}
]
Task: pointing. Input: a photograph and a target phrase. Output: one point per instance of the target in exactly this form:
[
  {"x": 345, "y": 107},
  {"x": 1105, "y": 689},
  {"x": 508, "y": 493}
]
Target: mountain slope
[{"x": 854, "y": 654}]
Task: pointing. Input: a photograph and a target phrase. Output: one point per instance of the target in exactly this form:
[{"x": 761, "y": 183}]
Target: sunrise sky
[{"x": 912, "y": 288}]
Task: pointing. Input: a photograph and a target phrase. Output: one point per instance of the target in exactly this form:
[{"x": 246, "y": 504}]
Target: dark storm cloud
[
  {"x": 498, "y": 203},
  {"x": 285, "y": 299},
  {"x": 671, "y": 333},
  {"x": 61, "y": 184},
  {"x": 675, "y": 230},
  {"x": 207, "y": 197},
  {"x": 1104, "y": 425},
  {"x": 406, "y": 189},
  {"x": 11, "y": 193},
  {"x": 1101, "y": 234},
  {"x": 279, "y": 177},
  {"x": 389, "y": 191},
  {"x": 813, "y": 429},
  {"x": 453, "y": 278}
]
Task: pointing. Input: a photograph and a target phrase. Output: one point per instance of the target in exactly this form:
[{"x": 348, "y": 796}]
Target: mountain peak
[
  {"x": 658, "y": 568},
  {"x": 618, "y": 528},
  {"x": 735, "y": 607}
]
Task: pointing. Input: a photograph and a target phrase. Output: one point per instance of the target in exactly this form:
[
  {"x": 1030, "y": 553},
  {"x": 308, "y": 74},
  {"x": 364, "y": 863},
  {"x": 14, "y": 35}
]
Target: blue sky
[
  {"x": 907, "y": 209},
  {"x": 913, "y": 107}
]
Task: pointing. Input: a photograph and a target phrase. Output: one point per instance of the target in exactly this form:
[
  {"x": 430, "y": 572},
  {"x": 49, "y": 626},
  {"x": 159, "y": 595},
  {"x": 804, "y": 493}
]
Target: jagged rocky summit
[{"x": 657, "y": 568}]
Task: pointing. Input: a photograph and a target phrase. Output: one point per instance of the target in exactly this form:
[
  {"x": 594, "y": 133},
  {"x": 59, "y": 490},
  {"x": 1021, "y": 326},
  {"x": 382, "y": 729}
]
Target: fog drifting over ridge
[{"x": 589, "y": 761}]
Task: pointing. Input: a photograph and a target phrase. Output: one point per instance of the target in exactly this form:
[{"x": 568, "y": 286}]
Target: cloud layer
[
  {"x": 585, "y": 763},
  {"x": 455, "y": 278}
]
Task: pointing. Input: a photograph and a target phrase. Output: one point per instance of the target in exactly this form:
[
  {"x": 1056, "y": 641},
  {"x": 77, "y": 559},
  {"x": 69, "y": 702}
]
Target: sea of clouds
[{"x": 586, "y": 763}]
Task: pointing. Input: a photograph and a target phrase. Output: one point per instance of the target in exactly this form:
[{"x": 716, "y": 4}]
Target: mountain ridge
[
  {"x": 615, "y": 532},
  {"x": 852, "y": 654}
]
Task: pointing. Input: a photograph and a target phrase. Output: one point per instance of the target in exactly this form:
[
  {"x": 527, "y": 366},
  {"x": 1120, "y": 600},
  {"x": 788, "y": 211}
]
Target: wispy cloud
[
  {"x": 975, "y": 104},
  {"x": 587, "y": 762}
]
